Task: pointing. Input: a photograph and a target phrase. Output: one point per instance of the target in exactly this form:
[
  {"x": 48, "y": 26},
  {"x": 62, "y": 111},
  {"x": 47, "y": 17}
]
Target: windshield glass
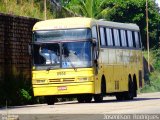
[
  {"x": 61, "y": 35},
  {"x": 62, "y": 55},
  {"x": 76, "y": 54},
  {"x": 46, "y": 55}
]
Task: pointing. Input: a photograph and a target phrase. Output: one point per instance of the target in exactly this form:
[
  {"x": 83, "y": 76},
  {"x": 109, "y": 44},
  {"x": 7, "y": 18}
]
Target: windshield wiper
[
  {"x": 75, "y": 69},
  {"x": 51, "y": 67},
  {"x": 48, "y": 69}
]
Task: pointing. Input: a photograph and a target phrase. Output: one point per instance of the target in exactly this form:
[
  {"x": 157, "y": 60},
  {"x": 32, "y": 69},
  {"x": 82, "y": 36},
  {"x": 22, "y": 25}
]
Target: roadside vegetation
[
  {"x": 28, "y": 8},
  {"x": 152, "y": 84},
  {"x": 128, "y": 11}
]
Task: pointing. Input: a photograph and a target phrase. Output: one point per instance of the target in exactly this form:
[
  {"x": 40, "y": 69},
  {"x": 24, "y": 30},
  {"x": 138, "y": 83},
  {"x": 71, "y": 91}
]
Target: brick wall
[{"x": 15, "y": 35}]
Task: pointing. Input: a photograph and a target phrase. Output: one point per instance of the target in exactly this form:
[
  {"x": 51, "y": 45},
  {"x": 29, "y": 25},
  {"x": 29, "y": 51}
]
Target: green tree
[
  {"x": 87, "y": 8},
  {"x": 128, "y": 11},
  {"x": 134, "y": 11}
]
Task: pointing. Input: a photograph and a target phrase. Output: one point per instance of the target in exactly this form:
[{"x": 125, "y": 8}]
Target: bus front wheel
[
  {"x": 88, "y": 98},
  {"x": 80, "y": 99},
  {"x": 99, "y": 97},
  {"x": 50, "y": 100}
]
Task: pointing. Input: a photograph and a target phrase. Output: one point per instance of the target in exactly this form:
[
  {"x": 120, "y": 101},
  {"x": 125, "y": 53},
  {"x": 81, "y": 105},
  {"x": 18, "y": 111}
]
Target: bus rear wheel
[
  {"x": 98, "y": 98},
  {"x": 131, "y": 91},
  {"x": 50, "y": 100},
  {"x": 120, "y": 96}
]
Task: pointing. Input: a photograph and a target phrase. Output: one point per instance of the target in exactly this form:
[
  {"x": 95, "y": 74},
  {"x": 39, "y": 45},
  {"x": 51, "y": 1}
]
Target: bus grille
[
  {"x": 68, "y": 79},
  {"x": 54, "y": 80},
  {"x": 61, "y": 80}
]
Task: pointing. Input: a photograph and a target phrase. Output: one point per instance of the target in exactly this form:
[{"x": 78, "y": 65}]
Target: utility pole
[
  {"x": 45, "y": 10},
  {"x": 147, "y": 34}
]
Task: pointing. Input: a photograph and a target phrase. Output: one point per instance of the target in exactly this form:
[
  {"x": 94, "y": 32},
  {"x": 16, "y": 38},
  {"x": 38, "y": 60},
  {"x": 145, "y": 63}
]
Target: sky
[{"x": 158, "y": 1}]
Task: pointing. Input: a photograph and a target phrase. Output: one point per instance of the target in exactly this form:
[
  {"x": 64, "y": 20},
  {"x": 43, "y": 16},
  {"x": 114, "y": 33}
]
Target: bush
[
  {"x": 16, "y": 89},
  {"x": 153, "y": 85},
  {"x": 24, "y": 95},
  {"x": 156, "y": 61},
  {"x": 153, "y": 82}
]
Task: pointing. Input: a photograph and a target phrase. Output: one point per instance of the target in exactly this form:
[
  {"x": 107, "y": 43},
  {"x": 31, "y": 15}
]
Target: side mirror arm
[{"x": 30, "y": 49}]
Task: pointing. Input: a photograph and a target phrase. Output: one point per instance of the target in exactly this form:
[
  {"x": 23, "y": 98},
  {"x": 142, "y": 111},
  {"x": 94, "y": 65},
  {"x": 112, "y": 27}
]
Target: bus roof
[{"x": 80, "y": 22}]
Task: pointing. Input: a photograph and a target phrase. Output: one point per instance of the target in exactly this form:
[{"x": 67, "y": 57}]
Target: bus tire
[
  {"x": 135, "y": 90},
  {"x": 120, "y": 96},
  {"x": 88, "y": 98},
  {"x": 135, "y": 86},
  {"x": 99, "y": 97},
  {"x": 50, "y": 100},
  {"x": 80, "y": 99},
  {"x": 130, "y": 93}
]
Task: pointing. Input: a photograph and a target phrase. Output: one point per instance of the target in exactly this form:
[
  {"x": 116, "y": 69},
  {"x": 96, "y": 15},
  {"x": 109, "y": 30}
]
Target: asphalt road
[{"x": 148, "y": 103}]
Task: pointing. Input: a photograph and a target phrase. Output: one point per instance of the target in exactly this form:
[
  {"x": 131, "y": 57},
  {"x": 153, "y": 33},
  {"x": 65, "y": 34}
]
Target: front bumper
[{"x": 64, "y": 89}]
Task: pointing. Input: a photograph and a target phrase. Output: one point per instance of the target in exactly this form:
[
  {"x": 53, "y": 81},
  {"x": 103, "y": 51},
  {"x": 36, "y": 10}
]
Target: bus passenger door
[{"x": 96, "y": 71}]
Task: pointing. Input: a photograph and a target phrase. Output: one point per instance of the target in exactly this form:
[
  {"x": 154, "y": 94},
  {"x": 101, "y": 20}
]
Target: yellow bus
[{"x": 86, "y": 58}]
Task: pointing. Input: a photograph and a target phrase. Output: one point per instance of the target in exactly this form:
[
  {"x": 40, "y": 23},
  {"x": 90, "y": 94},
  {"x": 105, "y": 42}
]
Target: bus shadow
[
  {"x": 111, "y": 101},
  {"x": 76, "y": 102},
  {"x": 134, "y": 100},
  {"x": 23, "y": 106}
]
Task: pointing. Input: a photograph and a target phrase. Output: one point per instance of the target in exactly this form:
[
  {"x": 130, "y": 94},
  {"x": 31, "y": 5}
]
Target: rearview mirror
[
  {"x": 94, "y": 42},
  {"x": 30, "y": 49}
]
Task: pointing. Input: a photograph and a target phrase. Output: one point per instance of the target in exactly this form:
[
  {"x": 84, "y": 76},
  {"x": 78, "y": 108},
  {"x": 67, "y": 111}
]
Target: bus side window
[
  {"x": 126, "y": 38},
  {"x": 102, "y": 37},
  {"x": 120, "y": 37},
  {"x": 134, "y": 39},
  {"x": 130, "y": 38},
  {"x": 137, "y": 40},
  {"x": 109, "y": 37},
  {"x": 140, "y": 42},
  {"x": 123, "y": 38},
  {"x": 116, "y": 37}
]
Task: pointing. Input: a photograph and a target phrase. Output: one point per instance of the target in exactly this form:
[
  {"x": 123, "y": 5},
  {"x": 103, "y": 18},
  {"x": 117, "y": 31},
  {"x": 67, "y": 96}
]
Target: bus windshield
[
  {"x": 61, "y": 35},
  {"x": 76, "y": 54},
  {"x": 62, "y": 55}
]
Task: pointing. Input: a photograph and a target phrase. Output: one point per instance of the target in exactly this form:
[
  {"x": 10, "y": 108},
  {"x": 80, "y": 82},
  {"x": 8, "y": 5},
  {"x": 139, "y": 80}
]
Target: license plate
[{"x": 62, "y": 88}]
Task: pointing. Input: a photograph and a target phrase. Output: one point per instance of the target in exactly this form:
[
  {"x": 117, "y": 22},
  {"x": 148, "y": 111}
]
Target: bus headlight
[
  {"x": 39, "y": 81},
  {"x": 83, "y": 79}
]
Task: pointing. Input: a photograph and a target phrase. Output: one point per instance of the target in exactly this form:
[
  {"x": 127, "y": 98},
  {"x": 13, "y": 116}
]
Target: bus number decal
[{"x": 61, "y": 73}]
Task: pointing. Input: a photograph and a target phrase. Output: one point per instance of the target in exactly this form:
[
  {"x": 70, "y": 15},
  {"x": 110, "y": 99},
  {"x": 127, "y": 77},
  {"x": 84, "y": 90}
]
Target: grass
[
  {"x": 153, "y": 85},
  {"x": 26, "y": 8}
]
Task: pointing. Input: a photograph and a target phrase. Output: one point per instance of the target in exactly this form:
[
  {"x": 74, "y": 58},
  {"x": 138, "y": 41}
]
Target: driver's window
[{"x": 94, "y": 33}]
